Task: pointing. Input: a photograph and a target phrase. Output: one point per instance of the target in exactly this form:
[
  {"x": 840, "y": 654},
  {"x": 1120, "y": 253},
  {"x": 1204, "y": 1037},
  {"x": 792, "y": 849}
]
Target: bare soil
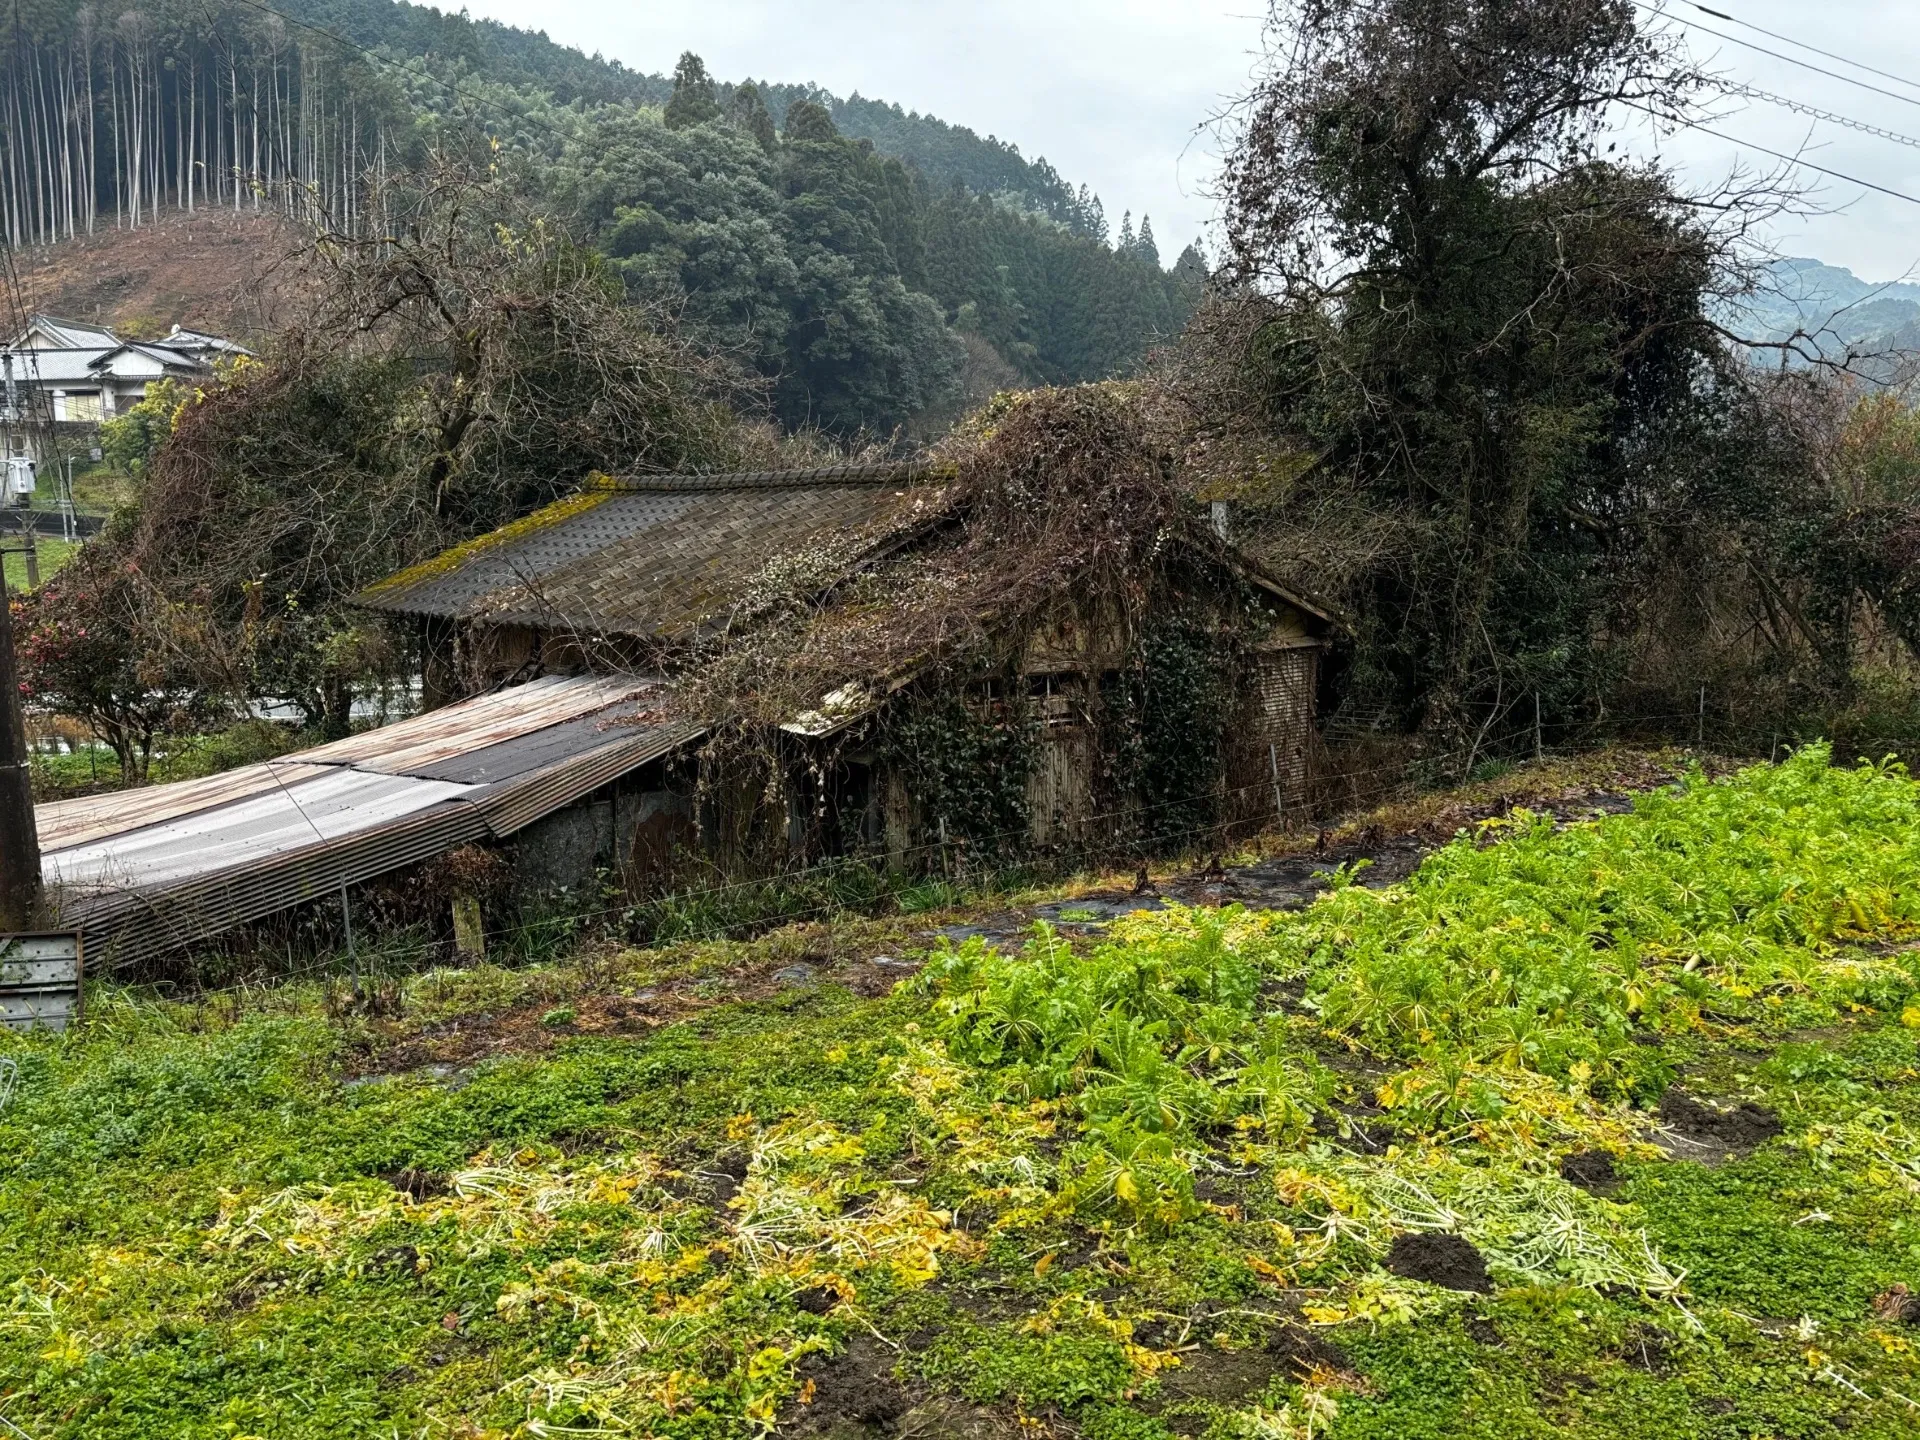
[
  {"x": 1695, "y": 1131},
  {"x": 215, "y": 271},
  {"x": 1591, "y": 1170},
  {"x": 1445, "y": 1260}
]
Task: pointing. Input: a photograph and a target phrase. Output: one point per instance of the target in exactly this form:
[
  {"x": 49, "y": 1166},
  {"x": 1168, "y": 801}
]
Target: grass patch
[{"x": 51, "y": 555}]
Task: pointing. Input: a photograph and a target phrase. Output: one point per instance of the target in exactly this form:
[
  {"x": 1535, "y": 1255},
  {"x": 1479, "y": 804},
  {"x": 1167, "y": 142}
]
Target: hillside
[
  {"x": 874, "y": 265},
  {"x": 452, "y": 43},
  {"x": 1601, "y": 1130},
  {"x": 1833, "y": 305},
  {"x": 213, "y": 271}
]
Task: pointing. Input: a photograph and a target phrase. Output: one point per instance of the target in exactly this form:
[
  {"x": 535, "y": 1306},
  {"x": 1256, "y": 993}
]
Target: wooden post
[
  {"x": 469, "y": 928},
  {"x": 19, "y": 838}
]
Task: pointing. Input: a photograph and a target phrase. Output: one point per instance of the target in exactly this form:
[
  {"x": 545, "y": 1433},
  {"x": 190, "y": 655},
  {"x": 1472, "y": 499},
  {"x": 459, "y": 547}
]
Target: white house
[{"x": 61, "y": 373}]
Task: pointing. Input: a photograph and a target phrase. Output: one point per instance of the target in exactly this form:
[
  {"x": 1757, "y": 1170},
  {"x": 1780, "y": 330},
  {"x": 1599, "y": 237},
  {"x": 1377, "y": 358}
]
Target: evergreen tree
[
  {"x": 694, "y": 101},
  {"x": 1097, "y": 219},
  {"x": 749, "y": 111},
  {"x": 1125, "y": 243},
  {"x": 809, "y": 121},
  {"x": 1143, "y": 247}
]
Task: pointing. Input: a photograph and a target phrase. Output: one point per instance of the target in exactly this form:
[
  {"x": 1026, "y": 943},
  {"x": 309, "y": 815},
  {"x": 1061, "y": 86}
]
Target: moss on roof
[{"x": 597, "y": 491}]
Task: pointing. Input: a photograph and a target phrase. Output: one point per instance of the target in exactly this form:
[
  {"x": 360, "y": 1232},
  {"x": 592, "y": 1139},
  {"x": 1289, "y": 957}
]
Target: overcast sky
[{"x": 1116, "y": 92}]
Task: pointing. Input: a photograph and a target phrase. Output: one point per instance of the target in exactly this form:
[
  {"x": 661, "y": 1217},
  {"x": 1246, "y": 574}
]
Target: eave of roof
[
  {"x": 81, "y": 335},
  {"x": 159, "y": 354}
]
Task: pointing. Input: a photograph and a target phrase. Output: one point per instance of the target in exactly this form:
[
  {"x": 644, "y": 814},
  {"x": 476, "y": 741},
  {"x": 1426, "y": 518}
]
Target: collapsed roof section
[
  {"x": 147, "y": 871},
  {"x": 663, "y": 558}
]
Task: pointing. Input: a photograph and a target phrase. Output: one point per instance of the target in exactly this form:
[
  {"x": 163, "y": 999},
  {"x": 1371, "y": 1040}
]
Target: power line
[
  {"x": 1787, "y": 102},
  {"x": 1788, "y": 39},
  {"x": 1800, "y": 161},
  {"x": 1788, "y": 59}
]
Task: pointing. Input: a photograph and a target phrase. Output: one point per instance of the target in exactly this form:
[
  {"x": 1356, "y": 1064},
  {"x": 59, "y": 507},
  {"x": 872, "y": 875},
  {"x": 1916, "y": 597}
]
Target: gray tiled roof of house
[{"x": 661, "y": 557}]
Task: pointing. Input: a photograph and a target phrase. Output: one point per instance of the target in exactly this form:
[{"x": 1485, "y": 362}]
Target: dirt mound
[
  {"x": 419, "y": 1184},
  {"x": 1444, "y": 1260},
  {"x": 856, "y": 1396},
  {"x": 1707, "y": 1133},
  {"x": 1591, "y": 1170},
  {"x": 854, "y": 1393},
  {"x": 1210, "y": 1377}
]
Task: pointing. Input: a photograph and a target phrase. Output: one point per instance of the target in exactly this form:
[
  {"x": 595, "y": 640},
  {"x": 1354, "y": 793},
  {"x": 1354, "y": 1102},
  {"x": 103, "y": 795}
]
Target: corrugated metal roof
[
  {"x": 150, "y": 870},
  {"x": 340, "y": 801},
  {"x": 658, "y": 557}
]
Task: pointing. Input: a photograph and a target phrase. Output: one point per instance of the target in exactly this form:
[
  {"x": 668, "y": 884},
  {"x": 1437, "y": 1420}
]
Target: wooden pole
[{"x": 19, "y": 839}]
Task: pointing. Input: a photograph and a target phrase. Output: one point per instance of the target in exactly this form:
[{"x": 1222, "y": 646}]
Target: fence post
[
  {"x": 469, "y": 927},
  {"x": 353, "y": 955}
]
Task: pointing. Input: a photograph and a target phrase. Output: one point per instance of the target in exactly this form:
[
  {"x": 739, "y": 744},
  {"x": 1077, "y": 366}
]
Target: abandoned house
[
  {"x": 654, "y": 574},
  {"x": 573, "y": 719}
]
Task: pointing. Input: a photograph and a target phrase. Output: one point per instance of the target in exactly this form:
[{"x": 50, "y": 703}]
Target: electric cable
[
  {"x": 1749, "y": 92},
  {"x": 1788, "y": 39},
  {"x": 1663, "y": 14},
  {"x": 1798, "y": 160}
]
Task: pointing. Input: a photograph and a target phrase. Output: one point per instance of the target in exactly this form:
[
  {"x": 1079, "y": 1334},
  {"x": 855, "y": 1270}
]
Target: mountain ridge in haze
[{"x": 1800, "y": 295}]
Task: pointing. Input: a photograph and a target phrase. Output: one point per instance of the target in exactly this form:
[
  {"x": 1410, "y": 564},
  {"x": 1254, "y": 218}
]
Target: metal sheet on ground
[
  {"x": 40, "y": 978},
  {"x": 337, "y": 805}
]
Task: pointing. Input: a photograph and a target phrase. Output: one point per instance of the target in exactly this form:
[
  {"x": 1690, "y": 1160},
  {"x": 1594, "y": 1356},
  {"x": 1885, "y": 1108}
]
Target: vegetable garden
[{"x": 1608, "y": 1128}]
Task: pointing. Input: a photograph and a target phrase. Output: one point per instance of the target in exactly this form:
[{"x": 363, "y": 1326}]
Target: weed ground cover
[{"x": 1609, "y": 1129}]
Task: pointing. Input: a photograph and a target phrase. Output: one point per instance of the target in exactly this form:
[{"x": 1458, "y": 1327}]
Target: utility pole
[{"x": 19, "y": 840}]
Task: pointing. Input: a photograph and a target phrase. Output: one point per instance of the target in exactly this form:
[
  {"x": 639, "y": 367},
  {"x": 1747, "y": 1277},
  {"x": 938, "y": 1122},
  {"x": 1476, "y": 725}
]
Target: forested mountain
[
  {"x": 1833, "y": 309},
  {"x": 874, "y": 264}
]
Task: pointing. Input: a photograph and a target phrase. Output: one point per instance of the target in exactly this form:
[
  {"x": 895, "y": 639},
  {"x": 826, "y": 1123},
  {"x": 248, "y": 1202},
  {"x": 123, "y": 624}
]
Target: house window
[{"x": 77, "y": 405}]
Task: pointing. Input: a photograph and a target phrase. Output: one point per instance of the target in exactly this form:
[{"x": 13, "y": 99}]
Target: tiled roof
[
  {"x": 658, "y": 557},
  {"x": 56, "y": 367},
  {"x": 163, "y": 355},
  {"x": 75, "y": 335}
]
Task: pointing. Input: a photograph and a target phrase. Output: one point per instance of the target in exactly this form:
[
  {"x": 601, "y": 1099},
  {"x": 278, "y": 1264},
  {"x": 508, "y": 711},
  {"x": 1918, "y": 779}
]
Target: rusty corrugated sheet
[
  {"x": 63, "y": 823},
  {"x": 181, "y": 868},
  {"x": 415, "y": 745}
]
